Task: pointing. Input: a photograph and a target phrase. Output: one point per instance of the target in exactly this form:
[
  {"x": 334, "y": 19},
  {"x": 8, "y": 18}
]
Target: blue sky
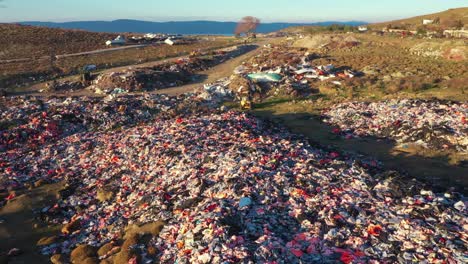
[{"x": 221, "y": 10}]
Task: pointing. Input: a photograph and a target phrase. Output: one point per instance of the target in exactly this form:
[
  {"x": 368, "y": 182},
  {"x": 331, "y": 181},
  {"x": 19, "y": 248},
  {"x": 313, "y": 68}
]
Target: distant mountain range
[{"x": 177, "y": 27}]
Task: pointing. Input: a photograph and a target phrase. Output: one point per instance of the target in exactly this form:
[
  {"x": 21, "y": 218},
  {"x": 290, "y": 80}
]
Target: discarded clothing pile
[
  {"x": 229, "y": 188},
  {"x": 29, "y": 123},
  {"x": 431, "y": 124}
]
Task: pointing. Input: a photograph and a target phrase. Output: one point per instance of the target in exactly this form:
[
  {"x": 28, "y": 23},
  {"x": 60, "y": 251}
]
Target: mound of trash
[
  {"x": 141, "y": 79},
  {"x": 136, "y": 79},
  {"x": 431, "y": 124},
  {"x": 327, "y": 41},
  {"x": 285, "y": 72},
  {"x": 150, "y": 180},
  {"x": 32, "y": 122}
]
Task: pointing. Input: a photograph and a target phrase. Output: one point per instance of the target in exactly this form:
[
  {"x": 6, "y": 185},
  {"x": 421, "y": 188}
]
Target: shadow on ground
[
  {"x": 20, "y": 228},
  {"x": 436, "y": 172}
]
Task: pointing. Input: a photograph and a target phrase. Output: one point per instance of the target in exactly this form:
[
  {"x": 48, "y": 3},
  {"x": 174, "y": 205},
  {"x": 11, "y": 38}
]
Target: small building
[
  {"x": 136, "y": 38},
  {"x": 120, "y": 40},
  {"x": 452, "y": 33},
  {"x": 427, "y": 21},
  {"x": 362, "y": 29},
  {"x": 169, "y": 41},
  {"x": 395, "y": 30}
]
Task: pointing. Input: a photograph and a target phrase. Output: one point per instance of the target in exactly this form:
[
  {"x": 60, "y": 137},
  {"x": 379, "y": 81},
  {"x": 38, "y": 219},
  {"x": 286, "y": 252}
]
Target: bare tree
[{"x": 248, "y": 25}]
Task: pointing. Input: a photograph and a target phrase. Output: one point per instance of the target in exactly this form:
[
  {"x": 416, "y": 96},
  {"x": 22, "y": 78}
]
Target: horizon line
[{"x": 195, "y": 20}]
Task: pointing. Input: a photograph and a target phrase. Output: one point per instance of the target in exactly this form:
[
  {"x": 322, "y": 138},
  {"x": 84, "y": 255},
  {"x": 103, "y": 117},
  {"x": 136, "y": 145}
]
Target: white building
[
  {"x": 362, "y": 28},
  {"x": 120, "y": 40},
  {"x": 169, "y": 41},
  {"x": 462, "y": 33},
  {"x": 151, "y": 36},
  {"x": 427, "y": 21}
]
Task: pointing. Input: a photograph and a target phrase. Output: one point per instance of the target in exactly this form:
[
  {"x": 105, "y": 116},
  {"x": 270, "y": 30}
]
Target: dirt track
[
  {"x": 211, "y": 75},
  {"x": 222, "y": 70},
  {"x": 61, "y": 56}
]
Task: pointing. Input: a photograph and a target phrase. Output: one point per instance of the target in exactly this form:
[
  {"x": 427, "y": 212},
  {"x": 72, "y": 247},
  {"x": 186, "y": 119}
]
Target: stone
[
  {"x": 104, "y": 250},
  {"x": 150, "y": 228},
  {"x": 109, "y": 260},
  {"x": 126, "y": 253},
  {"x": 82, "y": 253},
  {"x": 90, "y": 260},
  {"x": 45, "y": 241},
  {"x": 58, "y": 259}
]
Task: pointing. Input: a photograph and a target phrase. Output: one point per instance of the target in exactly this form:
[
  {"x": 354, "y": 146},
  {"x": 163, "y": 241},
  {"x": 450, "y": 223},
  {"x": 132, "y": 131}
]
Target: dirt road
[
  {"x": 61, "y": 56},
  {"x": 211, "y": 75},
  {"x": 101, "y": 51},
  {"x": 222, "y": 70}
]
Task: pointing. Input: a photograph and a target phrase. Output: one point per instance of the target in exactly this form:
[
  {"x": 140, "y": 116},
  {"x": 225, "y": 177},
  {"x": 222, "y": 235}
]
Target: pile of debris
[
  {"x": 327, "y": 42},
  {"x": 57, "y": 86},
  {"x": 218, "y": 91},
  {"x": 276, "y": 71},
  {"x": 150, "y": 179},
  {"x": 34, "y": 122},
  {"x": 431, "y": 124},
  {"x": 171, "y": 74},
  {"x": 141, "y": 79}
]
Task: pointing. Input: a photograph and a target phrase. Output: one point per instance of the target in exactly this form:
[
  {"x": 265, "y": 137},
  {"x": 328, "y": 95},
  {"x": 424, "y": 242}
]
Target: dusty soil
[{"x": 21, "y": 229}]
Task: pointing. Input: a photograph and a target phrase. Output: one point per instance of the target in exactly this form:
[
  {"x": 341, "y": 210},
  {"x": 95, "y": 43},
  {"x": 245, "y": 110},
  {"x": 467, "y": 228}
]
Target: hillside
[
  {"x": 448, "y": 19},
  {"x": 31, "y": 41},
  {"x": 175, "y": 27}
]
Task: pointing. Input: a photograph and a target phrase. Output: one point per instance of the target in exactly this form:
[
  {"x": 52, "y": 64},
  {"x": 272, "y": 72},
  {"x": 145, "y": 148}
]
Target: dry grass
[
  {"x": 20, "y": 41},
  {"x": 398, "y": 70},
  {"x": 18, "y": 74},
  {"x": 38, "y": 43},
  {"x": 447, "y": 19}
]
